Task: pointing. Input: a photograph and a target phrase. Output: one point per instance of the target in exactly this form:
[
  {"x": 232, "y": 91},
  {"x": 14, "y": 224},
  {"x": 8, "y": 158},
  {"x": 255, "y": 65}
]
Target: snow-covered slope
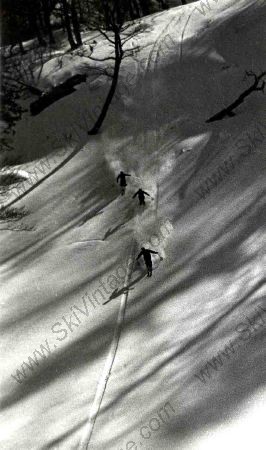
[{"x": 201, "y": 300}]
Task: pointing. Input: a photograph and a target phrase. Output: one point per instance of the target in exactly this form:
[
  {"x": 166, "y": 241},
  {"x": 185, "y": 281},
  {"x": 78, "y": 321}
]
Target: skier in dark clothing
[
  {"x": 141, "y": 195},
  {"x": 146, "y": 253},
  {"x": 123, "y": 183}
]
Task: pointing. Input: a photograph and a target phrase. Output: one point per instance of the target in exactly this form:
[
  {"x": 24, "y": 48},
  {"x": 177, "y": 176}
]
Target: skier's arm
[
  {"x": 127, "y": 175},
  {"x": 117, "y": 178},
  {"x": 134, "y": 195},
  {"x": 155, "y": 253},
  {"x": 139, "y": 255},
  {"x": 146, "y": 193}
]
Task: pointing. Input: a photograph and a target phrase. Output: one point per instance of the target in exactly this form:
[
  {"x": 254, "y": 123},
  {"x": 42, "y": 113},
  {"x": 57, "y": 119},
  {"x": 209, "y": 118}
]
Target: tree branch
[
  {"x": 106, "y": 36},
  {"x": 110, "y": 58}
]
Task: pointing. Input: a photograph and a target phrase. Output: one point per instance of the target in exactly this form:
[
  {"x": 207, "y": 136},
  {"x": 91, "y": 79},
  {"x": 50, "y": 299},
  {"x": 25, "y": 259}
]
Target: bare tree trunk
[
  {"x": 22, "y": 51},
  {"x": 71, "y": 41},
  {"x": 35, "y": 26},
  {"x": 131, "y": 11},
  {"x": 46, "y": 14},
  {"x": 118, "y": 59},
  {"x": 40, "y": 19},
  {"x": 106, "y": 13},
  {"x": 75, "y": 22},
  {"x": 20, "y": 43},
  {"x": 40, "y": 38}
]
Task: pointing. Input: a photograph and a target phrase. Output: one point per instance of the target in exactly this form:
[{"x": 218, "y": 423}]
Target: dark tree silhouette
[
  {"x": 75, "y": 22},
  {"x": 47, "y": 7},
  {"x": 27, "y": 19},
  {"x": 65, "y": 10},
  {"x": 20, "y": 75},
  {"x": 117, "y": 33},
  {"x": 229, "y": 110}
]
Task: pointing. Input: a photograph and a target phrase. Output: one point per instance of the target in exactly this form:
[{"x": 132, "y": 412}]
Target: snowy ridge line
[
  {"x": 229, "y": 350},
  {"x": 100, "y": 390}
]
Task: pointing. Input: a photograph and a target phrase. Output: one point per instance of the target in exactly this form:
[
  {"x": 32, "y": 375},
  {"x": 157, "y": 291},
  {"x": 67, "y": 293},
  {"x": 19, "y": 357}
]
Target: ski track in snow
[
  {"x": 183, "y": 34},
  {"x": 156, "y": 46},
  {"x": 102, "y": 383}
]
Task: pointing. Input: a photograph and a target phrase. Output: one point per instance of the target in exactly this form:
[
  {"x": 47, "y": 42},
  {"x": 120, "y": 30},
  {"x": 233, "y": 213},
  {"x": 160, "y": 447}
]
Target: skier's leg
[{"x": 148, "y": 272}]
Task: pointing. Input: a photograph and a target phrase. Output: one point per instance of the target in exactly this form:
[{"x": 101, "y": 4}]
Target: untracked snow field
[{"x": 95, "y": 354}]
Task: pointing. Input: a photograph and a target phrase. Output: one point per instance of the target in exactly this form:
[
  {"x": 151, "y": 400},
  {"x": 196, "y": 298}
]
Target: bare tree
[
  {"x": 258, "y": 85},
  {"x": 71, "y": 22},
  {"x": 67, "y": 23},
  {"x": 117, "y": 33},
  {"x": 25, "y": 70},
  {"x": 47, "y": 7},
  {"x": 75, "y": 22}
]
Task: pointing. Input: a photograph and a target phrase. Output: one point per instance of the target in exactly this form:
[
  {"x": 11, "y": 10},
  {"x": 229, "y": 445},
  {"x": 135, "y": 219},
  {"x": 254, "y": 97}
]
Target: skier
[
  {"x": 122, "y": 176},
  {"x": 141, "y": 195},
  {"x": 146, "y": 253}
]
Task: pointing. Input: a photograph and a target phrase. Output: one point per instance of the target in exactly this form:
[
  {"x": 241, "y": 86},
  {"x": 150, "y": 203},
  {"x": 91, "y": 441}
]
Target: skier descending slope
[
  {"x": 146, "y": 253},
  {"x": 122, "y": 177},
  {"x": 141, "y": 195}
]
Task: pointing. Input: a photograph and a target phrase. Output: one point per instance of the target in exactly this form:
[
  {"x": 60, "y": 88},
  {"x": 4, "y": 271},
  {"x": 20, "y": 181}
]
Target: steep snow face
[{"x": 188, "y": 370}]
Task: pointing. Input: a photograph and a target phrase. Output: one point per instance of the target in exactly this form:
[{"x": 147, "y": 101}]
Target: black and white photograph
[{"x": 133, "y": 225}]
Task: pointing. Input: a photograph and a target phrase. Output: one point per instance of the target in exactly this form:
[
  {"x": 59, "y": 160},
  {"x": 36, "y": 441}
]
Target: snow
[{"x": 212, "y": 274}]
